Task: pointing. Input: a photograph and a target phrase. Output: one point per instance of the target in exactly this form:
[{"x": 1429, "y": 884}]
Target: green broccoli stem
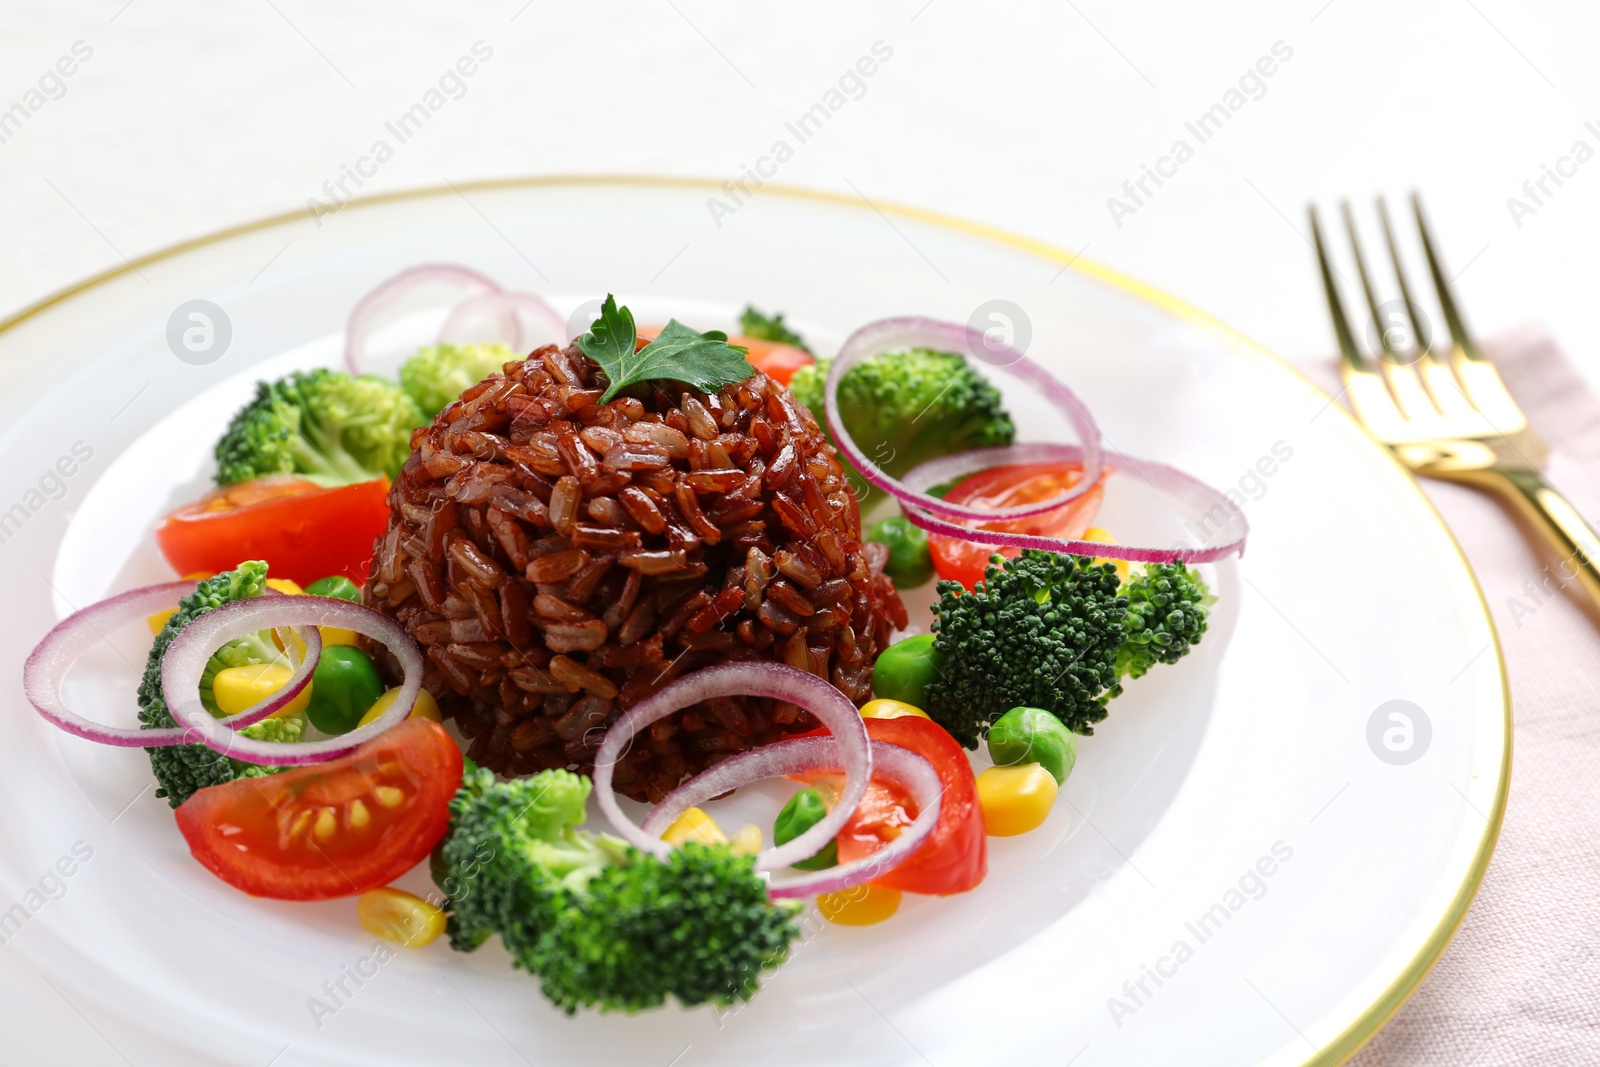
[{"x": 320, "y": 451}]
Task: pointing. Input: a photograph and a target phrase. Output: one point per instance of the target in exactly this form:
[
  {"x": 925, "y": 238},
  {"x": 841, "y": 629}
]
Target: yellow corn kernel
[
  {"x": 237, "y": 688},
  {"x": 388, "y": 796},
  {"x": 337, "y": 635},
  {"x": 425, "y": 708},
  {"x": 326, "y": 824},
  {"x": 331, "y": 636},
  {"x": 399, "y": 916},
  {"x": 747, "y": 842},
  {"x": 890, "y": 709},
  {"x": 1015, "y": 799},
  {"x": 694, "y": 825},
  {"x": 1103, "y": 535},
  {"x": 286, "y": 586},
  {"x": 860, "y": 905},
  {"x": 356, "y": 815}
]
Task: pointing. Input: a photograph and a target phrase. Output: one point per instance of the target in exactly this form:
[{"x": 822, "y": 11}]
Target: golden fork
[{"x": 1447, "y": 415}]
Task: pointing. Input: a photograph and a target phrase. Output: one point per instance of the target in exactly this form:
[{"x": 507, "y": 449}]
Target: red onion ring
[
  {"x": 505, "y": 305},
  {"x": 51, "y": 659},
  {"x": 887, "y": 335},
  {"x": 777, "y": 681},
  {"x": 187, "y": 655},
  {"x": 1187, "y": 489},
  {"x": 797, "y": 756},
  {"x": 391, "y": 289}
]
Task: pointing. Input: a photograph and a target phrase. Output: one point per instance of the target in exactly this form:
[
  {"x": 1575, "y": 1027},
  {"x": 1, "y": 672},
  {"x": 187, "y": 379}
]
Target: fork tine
[
  {"x": 1441, "y": 287},
  {"x": 1437, "y": 376},
  {"x": 1405, "y": 385},
  {"x": 1480, "y": 381},
  {"x": 1353, "y": 358},
  {"x": 1389, "y": 353},
  {"x": 1420, "y": 339}
]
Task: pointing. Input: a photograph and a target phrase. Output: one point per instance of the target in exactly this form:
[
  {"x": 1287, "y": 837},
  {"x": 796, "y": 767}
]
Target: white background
[
  {"x": 189, "y": 117},
  {"x": 193, "y": 116}
]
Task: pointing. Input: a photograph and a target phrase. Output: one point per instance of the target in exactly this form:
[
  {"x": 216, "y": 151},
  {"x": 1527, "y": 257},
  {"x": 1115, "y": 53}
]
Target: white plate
[{"x": 1238, "y": 872}]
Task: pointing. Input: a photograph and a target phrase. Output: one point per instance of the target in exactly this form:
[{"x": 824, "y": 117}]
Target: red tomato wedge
[
  {"x": 1010, "y": 486},
  {"x": 331, "y": 829},
  {"x": 955, "y": 857},
  {"x": 302, "y": 530},
  {"x": 776, "y": 360}
]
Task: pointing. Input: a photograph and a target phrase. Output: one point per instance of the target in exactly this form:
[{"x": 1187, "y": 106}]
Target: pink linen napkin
[{"x": 1520, "y": 984}]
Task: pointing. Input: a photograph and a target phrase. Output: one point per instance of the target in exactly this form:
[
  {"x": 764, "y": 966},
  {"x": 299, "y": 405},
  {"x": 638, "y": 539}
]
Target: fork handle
[{"x": 1575, "y": 542}]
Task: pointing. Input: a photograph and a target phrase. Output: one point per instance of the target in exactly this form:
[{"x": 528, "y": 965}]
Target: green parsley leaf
[
  {"x": 611, "y": 339},
  {"x": 754, "y": 324},
  {"x": 703, "y": 360}
]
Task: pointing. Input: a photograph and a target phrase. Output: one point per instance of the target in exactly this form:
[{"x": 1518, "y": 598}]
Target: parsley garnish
[{"x": 704, "y": 360}]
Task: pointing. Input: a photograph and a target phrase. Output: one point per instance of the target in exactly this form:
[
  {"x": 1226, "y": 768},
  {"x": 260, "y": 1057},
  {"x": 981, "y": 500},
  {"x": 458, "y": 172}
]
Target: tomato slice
[
  {"x": 775, "y": 359},
  {"x": 955, "y": 857},
  {"x": 331, "y": 829},
  {"x": 302, "y": 530},
  {"x": 1010, "y": 486}
]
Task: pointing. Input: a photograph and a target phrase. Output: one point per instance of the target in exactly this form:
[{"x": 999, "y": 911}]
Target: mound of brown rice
[{"x": 560, "y": 559}]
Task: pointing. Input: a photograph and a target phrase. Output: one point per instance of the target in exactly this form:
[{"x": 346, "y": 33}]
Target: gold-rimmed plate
[{"x": 1258, "y": 857}]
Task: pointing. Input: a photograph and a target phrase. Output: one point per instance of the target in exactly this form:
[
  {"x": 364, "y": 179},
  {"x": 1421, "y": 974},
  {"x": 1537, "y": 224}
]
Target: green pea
[
  {"x": 338, "y": 587},
  {"x": 904, "y": 670},
  {"x": 1033, "y": 735},
  {"x": 909, "y": 564},
  {"x": 343, "y": 687},
  {"x": 804, "y": 810}
]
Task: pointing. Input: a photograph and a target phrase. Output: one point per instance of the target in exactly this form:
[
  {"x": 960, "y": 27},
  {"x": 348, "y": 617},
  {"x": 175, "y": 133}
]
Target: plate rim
[{"x": 1343, "y": 1046}]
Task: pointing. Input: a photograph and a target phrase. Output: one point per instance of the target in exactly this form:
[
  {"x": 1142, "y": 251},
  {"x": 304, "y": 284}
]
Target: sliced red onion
[
  {"x": 187, "y": 655},
  {"x": 800, "y": 755},
  {"x": 912, "y": 773},
  {"x": 507, "y": 328},
  {"x": 777, "y": 681},
  {"x": 51, "y": 659},
  {"x": 391, "y": 290},
  {"x": 508, "y": 307},
  {"x": 1197, "y": 497},
  {"x": 888, "y": 335}
]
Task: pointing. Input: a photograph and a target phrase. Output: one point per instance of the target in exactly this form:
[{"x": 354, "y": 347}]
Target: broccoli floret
[
  {"x": 753, "y": 323},
  {"x": 1039, "y": 631},
  {"x": 181, "y": 770},
  {"x": 323, "y": 425},
  {"x": 1167, "y": 609},
  {"x": 603, "y": 924},
  {"x": 697, "y": 926},
  {"x": 1055, "y": 632},
  {"x": 904, "y": 408},
  {"x": 438, "y": 374},
  {"x": 510, "y": 844}
]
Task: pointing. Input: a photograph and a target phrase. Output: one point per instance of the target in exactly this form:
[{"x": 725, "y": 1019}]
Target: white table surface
[{"x": 187, "y": 117}]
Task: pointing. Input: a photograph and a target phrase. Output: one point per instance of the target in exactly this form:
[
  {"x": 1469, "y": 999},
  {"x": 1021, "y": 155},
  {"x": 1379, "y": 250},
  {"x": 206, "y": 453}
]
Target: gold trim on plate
[{"x": 1369, "y": 1022}]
